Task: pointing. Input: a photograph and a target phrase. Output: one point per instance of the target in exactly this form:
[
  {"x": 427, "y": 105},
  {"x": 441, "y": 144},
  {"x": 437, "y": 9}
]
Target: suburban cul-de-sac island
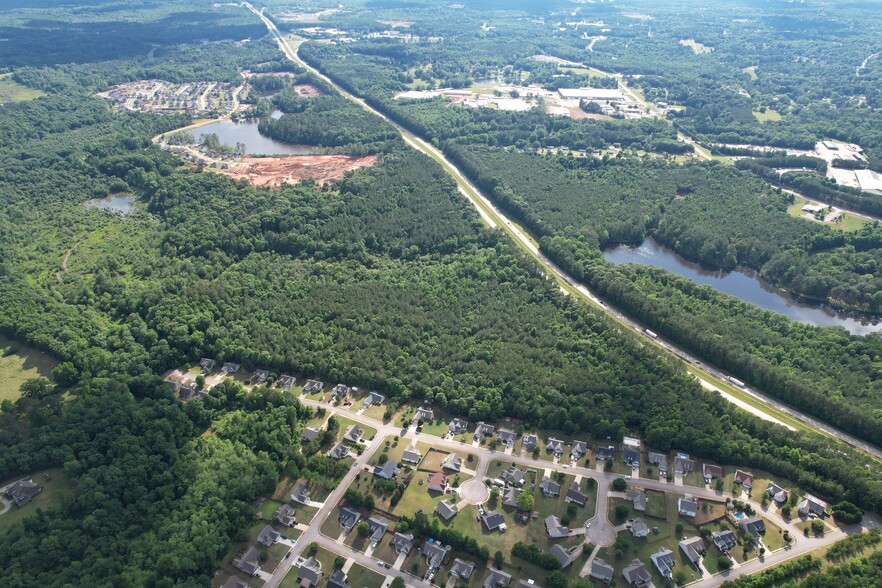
[{"x": 440, "y": 293}]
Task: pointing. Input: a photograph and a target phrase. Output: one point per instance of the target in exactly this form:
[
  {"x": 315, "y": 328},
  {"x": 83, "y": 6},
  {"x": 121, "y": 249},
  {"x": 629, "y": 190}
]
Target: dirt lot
[
  {"x": 274, "y": 171},
  {"x": 307, "y": 91}
]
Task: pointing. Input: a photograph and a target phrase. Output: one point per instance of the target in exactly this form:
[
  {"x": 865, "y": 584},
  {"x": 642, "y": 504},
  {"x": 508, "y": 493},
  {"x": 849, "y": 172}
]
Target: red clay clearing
[{"x": 272, "y": 172}]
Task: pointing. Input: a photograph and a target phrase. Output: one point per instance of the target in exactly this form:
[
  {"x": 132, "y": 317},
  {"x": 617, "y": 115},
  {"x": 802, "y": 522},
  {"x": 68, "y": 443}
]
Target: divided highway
[{"x": 710, "y": 377}]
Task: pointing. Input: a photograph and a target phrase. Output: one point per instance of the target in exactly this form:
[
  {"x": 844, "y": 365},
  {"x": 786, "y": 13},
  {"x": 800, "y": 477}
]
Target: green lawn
[
  {"x": 368, "y": 434},
  {"x": 768, "y": 115},
  {"x": 19, "y": 362},
  {"x": 361, "y": 577},
  {"x": 11, "y": 91},
  {"x": 54, "y": 493}
]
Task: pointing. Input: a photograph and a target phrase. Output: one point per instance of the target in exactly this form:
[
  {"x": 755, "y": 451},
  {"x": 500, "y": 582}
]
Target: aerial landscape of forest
[{"x": 478, "y": 293}]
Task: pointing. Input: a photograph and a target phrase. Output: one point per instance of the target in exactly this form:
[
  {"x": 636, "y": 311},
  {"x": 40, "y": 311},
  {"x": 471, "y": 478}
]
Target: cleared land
[
  {"x": 18, "y": 363},
  {"x": 272, "y": 172},
  {"x": 52, "y": 496},
  {"x": 12, "y": 91}
]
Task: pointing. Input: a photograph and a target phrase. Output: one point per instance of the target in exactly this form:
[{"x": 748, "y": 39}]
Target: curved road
[{"x": 710, "y": 377}]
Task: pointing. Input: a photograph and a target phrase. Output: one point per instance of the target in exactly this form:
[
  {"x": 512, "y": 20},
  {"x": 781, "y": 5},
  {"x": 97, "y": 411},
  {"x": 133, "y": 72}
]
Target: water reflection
[{"x": 245, "y": 131}]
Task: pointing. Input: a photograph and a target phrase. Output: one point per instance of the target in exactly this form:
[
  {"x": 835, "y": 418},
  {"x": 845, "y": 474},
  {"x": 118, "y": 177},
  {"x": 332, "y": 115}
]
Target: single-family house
[
  {"x": 207, "y": 364},
  {"x": 378, "y": 528},
  {"x": 411, "y": 454},
  {"x": 248, "y": 562},
  {"x": 575, "y": 494},
  {"x": 458, "y": 426},
  {"x": 754, "y": 525},
  {"x": 711, "y": 471},
  {"x": 693, "y": 548},
  {"x": 286, "y": 381},
  {"x": 497, "y": 579},
  {"x": 348, "y": 518},
  {"x": 300, "y": 494},
  {"x": 660, "y": 460},
  {"x": 483, "y": 429},
  {"x": 260, "y": 376},
  {"x": 462, "y": 569},
  {"x": 435, "y": 554},
  {"x": 510, "y": 497},
  {"x": 724, "y": 540},
  {"x": 631, "y": 455},
  {"x": 600, "y": 570},
  {"x": 555, "y": 446},
  {"x": 402, "y": 543},
  {"x": 555, "y": 528},
  {"x": 353, "y": 434},
  {"x": 605, "y": 453},
  {"x": 452, "y": 463},
  {"x": 424, "y": 414},
  {"x": 639, "y": 528},
  {"x": 234, "y": 582},
  {"x": 664, "y": 560},
  {"x": 549, "y": 487},
  {"x": 744, "y": 479},
  {"x": 506, "y": 437},
  {"x": 687, "y": 507},
  {"x": 230, "y": 368},
  {"x": 530, "y": 583},
  {"x": 310, "y": 573},
  {"x": 387, "y": 471},
  {"x": 22, "y": 491},
  {"x": 578, "y": 450},
  {"x": 493, "y": 520},
  {"x": 187, "y": 391},
  {"x": 811, "y": 505},
  {"x": 313, "y": 386},
  {"x": 268, "y": 536},
  {"x": 636, "y": 574},
  {"x": 529, "y": 442},
  {"x": 778, "y": 494},
  {"x": 683, "y": 465},
  {"x": 338, "y": 580},
  {"x": 438, "y": 483},
  {"x": 446, "y": 510},
  {"x": 339, "y": 451},
  {"x": 339, "y": 392},
  {"x": 374, "y": 398},
  {"x": 564, "y": 556},
  {"x": 638, "y": 497},
  {"x": 513, "y": 476},
  {"x": 309, "y": 433},
  {"x": 285, "y": 515}
]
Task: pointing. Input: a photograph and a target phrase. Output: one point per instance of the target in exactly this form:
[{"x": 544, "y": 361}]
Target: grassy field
[
  {"x": 18, "y": 363},
  {"x": 847, "y": 221},
  {"x": 751, "y": 71},
  {"x": 53, "y": 494},
  {"x": 768, "y": 115},
  {"x": 583, "y": 71},
  {"x": 11, "y": 91}
]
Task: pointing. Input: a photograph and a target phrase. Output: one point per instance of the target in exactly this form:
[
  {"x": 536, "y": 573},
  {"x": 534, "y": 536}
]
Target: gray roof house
[
  {"x": 207, "y": 364},
  {"x": 348, "y": 518},
  {"x": 300, "y": 494},
  {"x": 564, "y": 556},
  {"x": 462, "y": 569},
  {"x": 605, "y": 453},
  {"x": 687, "y": 507},
  {"x": 339, "y": 451},
  {"x": 378, "y": 528},
  {"x": 510, "y": 497},
  {"x": 554, "y": 528},
  {"x": 497, "y": 579},
  {"x": 285, "y": 515},
  {"x": 268, "y": 536},
  {"x": 549, "y": 487},
  {"x": 724, "y": 540},
  {"x": 529, "y": 441},
  {"x": 313, "y": 386},
  {"x": 579, "y": 449},
  {"x": 638, "y": 497},
  {"x": 445, "y": 510},
  {"x": 340, "y": 391},
  {"x": 693, "y": 548},
  {"x": 811, "y": 505},
  {"x": 555, "y": 446},
  {"x": 353, "y": 434},
  {"x": 664, "y": 560},
  {"x": 338, "y": 580},
  {"x": 424, "y": 414},
  {"x": 187, "y": 392},
  {"x": 631, "y": 455},
  {"x": 458, "y": 426},
  {"x": 286, "y": 381},
  {"x": 374, "y": 398},
  {"x": 754, "y": 525},
  {"x": 387, "y": 471},
  {"x": 452, "y": 462},
  {"x": 23, "y": 491},
  {"x": 513, "y": 476},
  {"x": 309, "y": 433},
  {"x": 435, "y": 554},
  {"x": 248, "y": 562},
  {"x": 659, "y": 460},
  {"x": 639, "y": 528},
  {"x": 482, "y": 429},
  {"x": 778, "y": 494},
  {"x": 234, "y": 582},
  {"x": 527, "y": 584},
  {"x": 261, "y": 376},
  {"x": 684, "y": 465},
  {"x": 402, "y": 543},
  {"x": 493, "y": 520},
  {"x": 411, "y": 455},
  {"x": 310, "y": 573},
  {"x": 636, "y": 574},
  {"x": 230, "y": 368},
  {"x": 575, "y": 494},
  {"x": 600, "y": 570},
  {"x": 507, "y": 437}
]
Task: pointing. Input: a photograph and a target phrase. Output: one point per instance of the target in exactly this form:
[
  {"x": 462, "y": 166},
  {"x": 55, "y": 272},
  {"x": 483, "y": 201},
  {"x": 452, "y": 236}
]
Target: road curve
[{"x": 773, "y": 410}]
